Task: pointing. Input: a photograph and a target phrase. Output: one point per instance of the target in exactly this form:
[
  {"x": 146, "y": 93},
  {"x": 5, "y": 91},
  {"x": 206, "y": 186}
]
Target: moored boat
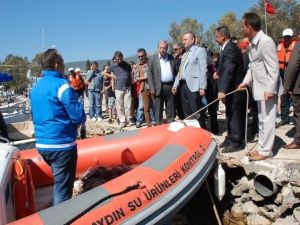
[{"x": 171, "y": 164}]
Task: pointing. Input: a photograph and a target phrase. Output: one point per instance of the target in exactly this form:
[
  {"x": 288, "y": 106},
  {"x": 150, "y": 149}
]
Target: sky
[{"x": 95, "y": 29}]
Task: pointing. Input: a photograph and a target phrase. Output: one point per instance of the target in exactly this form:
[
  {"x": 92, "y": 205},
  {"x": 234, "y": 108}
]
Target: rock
[
  {"x": 256, "y": 219},
  {"x": 249, "y": 208},
  {"x": 279, "y": 199},
  {"x": 296, "y": 213},
  {"x": 264, "y": 211},
  {"x": 237, "y": 211},
  {"x": 245, "y": 197},
  {"x": 296, "y": 190},
  {"x": 242, "y": 186},
  {"x": 288, "y": 195},
  {"x": 289, "y": 220},
  {"x": 238, "y": 200},
  {"x": 228, "y": 219},
  {"x": 255, "y": 196}
]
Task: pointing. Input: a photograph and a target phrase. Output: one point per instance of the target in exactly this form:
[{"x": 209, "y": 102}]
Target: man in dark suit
[
  {"x": 161, "y": 79},
  {"x": 292, "y": 86},
  {"x": 230, "y": 71}
]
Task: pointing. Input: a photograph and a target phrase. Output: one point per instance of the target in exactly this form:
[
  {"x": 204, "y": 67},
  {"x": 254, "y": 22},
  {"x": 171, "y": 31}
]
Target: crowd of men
[{"x": 181, "y": 83}]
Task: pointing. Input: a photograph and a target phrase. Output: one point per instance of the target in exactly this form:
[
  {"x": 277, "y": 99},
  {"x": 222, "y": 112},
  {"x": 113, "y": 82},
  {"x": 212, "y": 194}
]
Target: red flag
[{"x": 269, "y": 8}]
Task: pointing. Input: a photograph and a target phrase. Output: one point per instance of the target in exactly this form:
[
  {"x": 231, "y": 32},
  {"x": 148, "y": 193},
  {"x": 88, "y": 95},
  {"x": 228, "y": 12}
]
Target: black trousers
[
  {"x": 165, "y": 97},
  {"x": 296, "y": 104},
  {"x": 285, "y": 101},
  {"x": 191, "y": 102},
  {"x": 236, "y": 115},
  {"x": 211, "y": 95}
]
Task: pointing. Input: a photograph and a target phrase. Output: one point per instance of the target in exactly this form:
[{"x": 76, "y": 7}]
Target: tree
[
  {"x": 209, "y": 38},
  {"x": 177, "y": 31},
  {"x": 18, "y": 67},
  {"x": 287, "y": 16},
  {"x": 87, "y": 65},
  {"x": 230, "y": 20}
]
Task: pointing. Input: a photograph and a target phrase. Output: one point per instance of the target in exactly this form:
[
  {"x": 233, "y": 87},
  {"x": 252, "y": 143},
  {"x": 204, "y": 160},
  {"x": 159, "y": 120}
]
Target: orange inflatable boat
[{"x": 172, "y": 162}]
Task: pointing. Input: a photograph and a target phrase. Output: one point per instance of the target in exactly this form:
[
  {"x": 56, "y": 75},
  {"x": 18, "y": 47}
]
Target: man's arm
[
  {"x": 150, "y": 75},
  {"x": 270, "y": 61},
  {"x": 293, "y": 69},
  {"x": 70, "y": 102},
  {"x": 202, "y": 62}
]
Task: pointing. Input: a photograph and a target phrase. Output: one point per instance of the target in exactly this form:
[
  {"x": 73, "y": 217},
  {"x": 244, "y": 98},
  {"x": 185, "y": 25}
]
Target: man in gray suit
[
  {"x": 292, "y": 86},
  {"x": 161, "y": 79},
  {"x": 192, "y": 78},
  {"x": 263, "y": 76}
]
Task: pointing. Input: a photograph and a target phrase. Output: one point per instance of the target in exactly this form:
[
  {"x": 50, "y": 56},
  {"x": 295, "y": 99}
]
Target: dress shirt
[{"x": 166, "y": 72}]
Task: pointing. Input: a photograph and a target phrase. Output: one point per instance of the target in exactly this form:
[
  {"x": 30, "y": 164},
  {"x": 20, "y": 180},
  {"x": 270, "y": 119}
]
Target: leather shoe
[
  {"x": 292, "y": 145},
  {"x": 225, "y": 143},
  {"x": 282, "y": 123},
  {"x": 232, "y": 148}
]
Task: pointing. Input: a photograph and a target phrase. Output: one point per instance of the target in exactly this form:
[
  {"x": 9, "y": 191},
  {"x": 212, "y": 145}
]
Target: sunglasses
[{"x": 175, "y": 49}]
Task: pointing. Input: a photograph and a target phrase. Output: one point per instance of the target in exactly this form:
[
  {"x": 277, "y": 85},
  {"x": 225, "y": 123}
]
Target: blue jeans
[
  {"x": 63, "y": 165},
  {"x": 95, "y": 104}
]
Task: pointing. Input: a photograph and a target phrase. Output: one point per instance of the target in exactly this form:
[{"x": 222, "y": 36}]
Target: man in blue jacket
[{"x": 56, "y": 115}]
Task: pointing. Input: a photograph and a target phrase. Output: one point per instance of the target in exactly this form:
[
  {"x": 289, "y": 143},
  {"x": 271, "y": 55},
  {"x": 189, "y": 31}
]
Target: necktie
[{"x": 183, "y": 60}]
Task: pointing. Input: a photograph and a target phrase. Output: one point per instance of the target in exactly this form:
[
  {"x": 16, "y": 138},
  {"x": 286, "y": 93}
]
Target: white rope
[{"x": 229, "y": 93}]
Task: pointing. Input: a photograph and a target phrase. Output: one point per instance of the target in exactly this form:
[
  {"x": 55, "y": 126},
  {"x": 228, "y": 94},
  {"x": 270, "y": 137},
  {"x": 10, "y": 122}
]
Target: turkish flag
[{"x": 269, "y": 8}]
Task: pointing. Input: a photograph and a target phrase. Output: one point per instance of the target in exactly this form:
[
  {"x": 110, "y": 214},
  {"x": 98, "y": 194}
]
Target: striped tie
[{"x": 184, "y": 58}]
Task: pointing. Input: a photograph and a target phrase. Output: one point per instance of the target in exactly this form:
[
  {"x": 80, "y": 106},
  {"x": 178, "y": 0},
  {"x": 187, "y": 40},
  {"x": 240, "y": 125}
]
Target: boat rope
[
  {"x": 136, "y": 186},
  {"x": 217, "y": 99},
  {"x": 213, "y": 203}
]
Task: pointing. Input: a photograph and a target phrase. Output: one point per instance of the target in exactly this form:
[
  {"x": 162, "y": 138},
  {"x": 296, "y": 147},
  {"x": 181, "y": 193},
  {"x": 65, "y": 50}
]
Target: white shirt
[{"x": 165, "y": 66}]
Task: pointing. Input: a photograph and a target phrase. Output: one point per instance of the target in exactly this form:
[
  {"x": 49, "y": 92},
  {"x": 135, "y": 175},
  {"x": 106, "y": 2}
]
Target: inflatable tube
[
  {"x": 23, "y": 189},
  {"x": 173, "y": 166}
]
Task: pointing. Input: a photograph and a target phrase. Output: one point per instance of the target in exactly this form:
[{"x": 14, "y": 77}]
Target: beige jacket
[{"x": 263, "y": 71}]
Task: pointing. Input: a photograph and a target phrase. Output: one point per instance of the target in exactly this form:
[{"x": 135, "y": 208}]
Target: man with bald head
[
  {"x": 161, "y": 79},
  {"x": 192, "y": 78}
]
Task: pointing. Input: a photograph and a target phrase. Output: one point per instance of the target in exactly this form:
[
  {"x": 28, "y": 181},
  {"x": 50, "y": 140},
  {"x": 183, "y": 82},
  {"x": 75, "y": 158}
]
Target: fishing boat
[{"x": 170, "y": 164}]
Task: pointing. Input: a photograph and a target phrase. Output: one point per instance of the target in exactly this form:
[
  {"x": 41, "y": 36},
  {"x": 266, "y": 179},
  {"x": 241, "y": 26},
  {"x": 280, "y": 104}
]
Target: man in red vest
[{"x": 284, "y": 51}]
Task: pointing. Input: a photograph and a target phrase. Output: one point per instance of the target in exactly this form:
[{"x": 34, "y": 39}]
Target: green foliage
[
  {"x": 188, "y": 24},
  {"x": 18, "y": 67},
  {"x": 287, "y": 16},
  {"x": 230, "y": 20}
]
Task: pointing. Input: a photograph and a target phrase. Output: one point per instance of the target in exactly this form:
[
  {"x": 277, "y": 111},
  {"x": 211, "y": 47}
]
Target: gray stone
[
  {"x": 249, "y": 208},
  {"x": 296, "y": 190},
  {"x": 238, "y": 200},
  {"x": 245, "y": 197},
  {"x": 264, "y": 211},
  {"x": 279, "y": 199},
  {"x": 256, "y": 219},
  {"x": 242, "y": 186},
  {"x": 289, "y": 220},
  {"x": 237, "y": 211},
  {"x": 255, "y": 196},
  {"x": 296, "y": 213}
]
